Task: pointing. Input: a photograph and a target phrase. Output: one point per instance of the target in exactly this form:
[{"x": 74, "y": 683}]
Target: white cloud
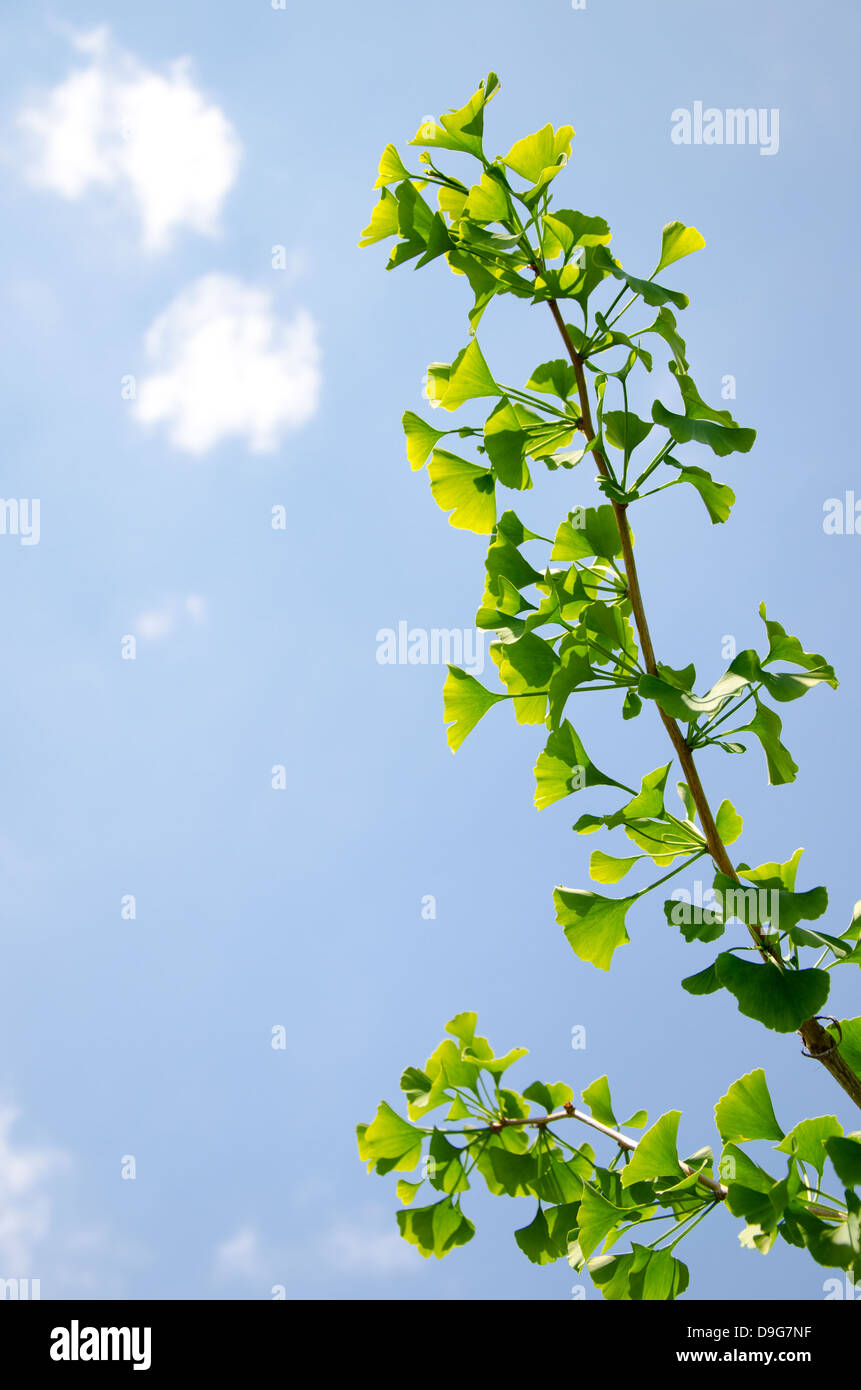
[
  {"x": 41, "y": 1234},
  {"x": 240, "y": 1257},
  {"x": 364, "y": 1247},
  {"x": 116, "y": 125},
  {"x": 195, "y": 607},
  {"x": 25, "y": 1207},
  {"x": 355, "y": 1249},
  {"x": 224, "y": 364},
  {"x": 154, "y": 623}
]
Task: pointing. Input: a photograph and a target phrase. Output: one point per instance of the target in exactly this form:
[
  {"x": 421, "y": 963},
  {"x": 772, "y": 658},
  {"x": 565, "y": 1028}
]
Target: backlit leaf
[
  {"x": 677, "y": 240},
  {"x": 465, "y": 701},
  {"x": 594, "y": 926}
]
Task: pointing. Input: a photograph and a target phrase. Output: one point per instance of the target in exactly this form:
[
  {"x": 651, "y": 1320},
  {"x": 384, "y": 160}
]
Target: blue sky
[{"x": 154, "y": 157}]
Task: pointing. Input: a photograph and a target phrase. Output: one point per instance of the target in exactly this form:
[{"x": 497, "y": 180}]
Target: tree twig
[{"x": 570, "y": 1112}]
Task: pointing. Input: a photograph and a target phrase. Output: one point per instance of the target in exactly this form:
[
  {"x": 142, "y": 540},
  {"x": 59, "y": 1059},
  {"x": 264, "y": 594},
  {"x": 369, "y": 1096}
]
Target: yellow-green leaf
[
  {"x": 677, "y": 241},
  {"x": 463, "y": 489}
]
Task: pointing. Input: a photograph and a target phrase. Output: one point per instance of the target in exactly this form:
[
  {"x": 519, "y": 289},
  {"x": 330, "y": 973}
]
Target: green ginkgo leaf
[
  {"x": 391, "y": 168},
  {"x": 746, "y": 1111},
  {"x": 572, "y": 229},
  {"x": 717, "y": 497},
  {"x": 423, "y": 232},
  {"x": 729, "y": 823},
  {"x": 534, "y": 154},
  {"x": 656, "y": 1155},
  {"x": 389, "y": 1141},
  {"x": 469, "y": 378},
  {"x": 783, "y": 647},
  {"x": 807, "y": 1140},
  {"x": 625, "y": 430},
  {"x": 506, "y": 441},
  {"x": 407, "y": 1191},
  {"x": 437, "y": 1229},
  {"x": 665, "y": 327},
  {"x": 526, "y": 665},
  {"x": 464, "y": 490},
  {"x": 845, "y": 1155},
  {"x": 677, "y": 241},
  {"x": 465, "y": 701},
  {"x": 446, "y": 1171},
  {"x": 461, "y": 129},
  {"x": 486, "y": 201},
  {"x": 552, "y": 1095},
  {"x": 597, "y": 1096},
  {"x": 779, "y": 1000},
  {"x": 421, "y": 439},
  {"x": 611, "y": 1276},
  {"x": 598, "y": 1217},
  {"x": 564, "y": 767},
  {"x": 536, "y": 1242},
  {"x": 384, "y": 220},
  {"x": 649, "y": 800},
  {"x": 588, "y": 531},
  {"x": 556, "y": 378},
  {"x": 766, "y": 726},
  {"x": 594, "y": 926},
  {"x": 650, "y": 292},
  {"x": 773, "y": 875},
  {"x": 721, "y": 439},
  {"x": 603, "y": 868}
]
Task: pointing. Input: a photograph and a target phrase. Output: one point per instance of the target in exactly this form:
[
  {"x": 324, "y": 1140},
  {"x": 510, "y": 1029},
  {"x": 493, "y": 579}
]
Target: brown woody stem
[{"x": 819, "y": 1043}]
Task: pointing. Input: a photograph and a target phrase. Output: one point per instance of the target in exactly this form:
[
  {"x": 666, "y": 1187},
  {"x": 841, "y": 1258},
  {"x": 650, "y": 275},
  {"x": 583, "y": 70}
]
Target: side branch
[{"x": 570, "y": 1112}]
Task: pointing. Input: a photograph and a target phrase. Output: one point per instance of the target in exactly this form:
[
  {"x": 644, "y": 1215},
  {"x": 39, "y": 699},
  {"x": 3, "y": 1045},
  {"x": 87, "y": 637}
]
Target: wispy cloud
[
  {"x": 25, "y": 1202},
  {"x": 241, "y": 1258},
  {"x": 223, "y": 364},
  {"x": 155, "y": 623},
  {"x": 151, "y": 138},
  {"x": 351, "y": 1247},
  {"x": 363, "y": 1245},
  {"x": 42, "y": 1236}
]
